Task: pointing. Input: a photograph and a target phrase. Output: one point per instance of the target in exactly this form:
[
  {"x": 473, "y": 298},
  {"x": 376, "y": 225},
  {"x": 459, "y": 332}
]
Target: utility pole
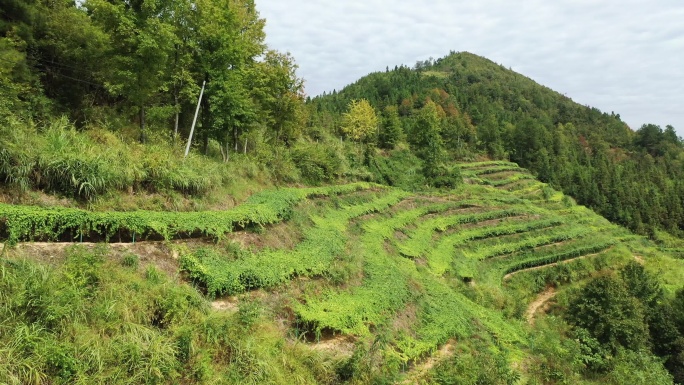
[{"x": 192, "y": 129}]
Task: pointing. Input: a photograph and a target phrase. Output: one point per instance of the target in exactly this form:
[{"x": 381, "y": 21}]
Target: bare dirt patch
[
  {"x": 400, "y": 235},
  {"x": 339, "y": 345},
  {"x": 406, "y": 318},
  {"x": 229, "y": 305},
  {"x": 541, "y": 303},
  {"x": 417, "y": 371}
]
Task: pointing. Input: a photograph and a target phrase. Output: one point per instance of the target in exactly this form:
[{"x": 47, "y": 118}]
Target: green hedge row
[{"x": 19, "y": 223}]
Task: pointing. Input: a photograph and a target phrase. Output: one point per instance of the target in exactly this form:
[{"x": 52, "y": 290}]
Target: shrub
[{"x": 316, "y": 162}]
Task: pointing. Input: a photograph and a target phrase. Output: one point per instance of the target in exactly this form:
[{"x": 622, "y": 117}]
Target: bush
[
  {"x": 399, "y": 169},
  {"x": 316, "y": 162}
]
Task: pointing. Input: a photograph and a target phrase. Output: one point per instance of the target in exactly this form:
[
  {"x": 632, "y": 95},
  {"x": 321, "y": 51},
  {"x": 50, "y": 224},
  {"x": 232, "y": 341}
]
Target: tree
[
  {"x": 427, "y": 139},
  {"x": 142, "y": 42},
  {"x": 390, "y": 128},
  {"x": 649, "y": 137},
  {"x": 183, "y": 84},
  {"x": 360, "y": 122},
  {"x": 230, "y": 37},
  {"x": 642, "y": 285},
  {"x": 279, "y": 94},
  {"x": 606, "y": 309}
]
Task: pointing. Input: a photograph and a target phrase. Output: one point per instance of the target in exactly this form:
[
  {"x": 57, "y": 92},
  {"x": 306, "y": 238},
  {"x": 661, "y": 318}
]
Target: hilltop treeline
[{"x": 632, "y": 178}]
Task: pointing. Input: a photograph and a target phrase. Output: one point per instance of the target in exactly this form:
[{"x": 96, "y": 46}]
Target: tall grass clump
[
  {"x": 90, "y": 321},
  {"x": 85, "y": 164}
]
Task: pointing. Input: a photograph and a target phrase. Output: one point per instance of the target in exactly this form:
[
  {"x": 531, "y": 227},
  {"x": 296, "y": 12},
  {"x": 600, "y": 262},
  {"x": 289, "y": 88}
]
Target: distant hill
[{"x": 632, "y": 178}]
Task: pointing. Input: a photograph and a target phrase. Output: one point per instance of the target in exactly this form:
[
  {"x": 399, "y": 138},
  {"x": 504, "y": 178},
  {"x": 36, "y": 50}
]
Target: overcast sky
[{"x": 625, "y": 56}]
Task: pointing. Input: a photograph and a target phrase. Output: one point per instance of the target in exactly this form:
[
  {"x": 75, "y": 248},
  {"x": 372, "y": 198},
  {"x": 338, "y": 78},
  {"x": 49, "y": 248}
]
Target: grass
[{"x": 90, "y": 320}]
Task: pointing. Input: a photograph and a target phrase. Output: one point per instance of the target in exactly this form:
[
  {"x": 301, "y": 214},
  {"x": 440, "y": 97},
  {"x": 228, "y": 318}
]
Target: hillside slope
[
  {"x": 631, "y": 178},
  {"x": 359, "y": 283}
]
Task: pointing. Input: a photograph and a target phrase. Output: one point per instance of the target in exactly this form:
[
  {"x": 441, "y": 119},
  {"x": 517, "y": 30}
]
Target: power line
[
  {"x": 76, "y": 79},
  {"x": 59, "y": 74}
]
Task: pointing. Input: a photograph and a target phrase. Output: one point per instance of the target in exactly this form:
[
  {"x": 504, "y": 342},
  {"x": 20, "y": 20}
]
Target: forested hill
[{"x": 632, "y": 178}]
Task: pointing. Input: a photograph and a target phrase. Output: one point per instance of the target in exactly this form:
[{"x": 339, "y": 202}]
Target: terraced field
[
  {"x": 412, "y": 249},
  {"x": 380, "y": 263}
]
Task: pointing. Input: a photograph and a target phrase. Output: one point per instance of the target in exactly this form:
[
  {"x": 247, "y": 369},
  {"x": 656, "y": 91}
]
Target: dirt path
[
  {"x": 540, "y": 303},
  {"x": 447, "y": 350},
  {"x": 228, "y": 305},
  {"x": 340, "y": 345}
]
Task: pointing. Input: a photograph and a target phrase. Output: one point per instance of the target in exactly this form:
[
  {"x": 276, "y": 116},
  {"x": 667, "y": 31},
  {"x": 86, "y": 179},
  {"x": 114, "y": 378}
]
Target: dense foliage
[
  {"x": 98, "y": 61},
  {"x": 363, "y": 284},
  {"x": 30, "y": 223}
]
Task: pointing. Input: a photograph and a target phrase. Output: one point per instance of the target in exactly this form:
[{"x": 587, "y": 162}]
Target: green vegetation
[
  {"x": 480, "y": 108},
  {"x": 27, "y": 223},
  {"x": 405, "y": 276},
  {"x": 90, "y": 320},
  {"x": 427, "y": 253}
]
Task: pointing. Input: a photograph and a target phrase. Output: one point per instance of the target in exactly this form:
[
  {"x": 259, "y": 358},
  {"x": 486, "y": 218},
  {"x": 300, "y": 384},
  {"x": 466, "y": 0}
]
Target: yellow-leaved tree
[{"x": 360, "y": 121}]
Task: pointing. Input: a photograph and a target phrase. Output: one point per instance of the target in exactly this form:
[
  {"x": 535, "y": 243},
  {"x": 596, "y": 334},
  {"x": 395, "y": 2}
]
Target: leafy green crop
[
  {"x": 311, "y": 257},
  {"x": 267, "y": 207}
]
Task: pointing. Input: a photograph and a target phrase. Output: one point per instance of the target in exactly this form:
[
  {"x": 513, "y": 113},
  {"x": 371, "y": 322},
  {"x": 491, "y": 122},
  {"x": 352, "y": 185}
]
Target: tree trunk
[
  {"x": 226, "y": 156},
  {"x": 235, "y": 137},
  {"x": 142, "y": 124},
  {"x": 245, "y": 148},
  {"x": 175, "y": 123}
]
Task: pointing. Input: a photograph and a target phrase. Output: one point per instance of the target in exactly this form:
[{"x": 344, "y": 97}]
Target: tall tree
[
  {"x": 606, "y": 309},
  {"x": 142, "y": 41},
  {"x": 230, "y": 38},
  {"x": 360, "y": 122},
  {"x": 428, "y": 140},
  {"x": 279, "y": 93},
  {"x": 390, "y": 128}
]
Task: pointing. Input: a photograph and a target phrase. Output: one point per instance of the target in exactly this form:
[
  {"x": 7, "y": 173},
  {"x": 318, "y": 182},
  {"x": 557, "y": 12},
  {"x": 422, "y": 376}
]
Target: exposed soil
[
  {"x": 339, "y": 345},
  {"x": 400, "y": 235},
  {"x": 158, "y": 254},
  {"x": 281, "y": 235},
  {"x": 541, "y": 303},
  {"x": 229, "y": 305},
  {"x": 419, "y": 370},
  {"x": 406, "y": 318}
]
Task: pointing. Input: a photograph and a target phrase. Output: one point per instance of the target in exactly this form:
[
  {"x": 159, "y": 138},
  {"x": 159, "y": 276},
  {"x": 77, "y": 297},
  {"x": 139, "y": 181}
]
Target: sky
[{"x": 622, "y": 56}]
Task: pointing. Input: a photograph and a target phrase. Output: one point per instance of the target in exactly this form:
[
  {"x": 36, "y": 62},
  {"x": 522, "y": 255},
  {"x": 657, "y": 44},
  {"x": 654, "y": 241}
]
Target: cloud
[{"x": 625, "y": 56}]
